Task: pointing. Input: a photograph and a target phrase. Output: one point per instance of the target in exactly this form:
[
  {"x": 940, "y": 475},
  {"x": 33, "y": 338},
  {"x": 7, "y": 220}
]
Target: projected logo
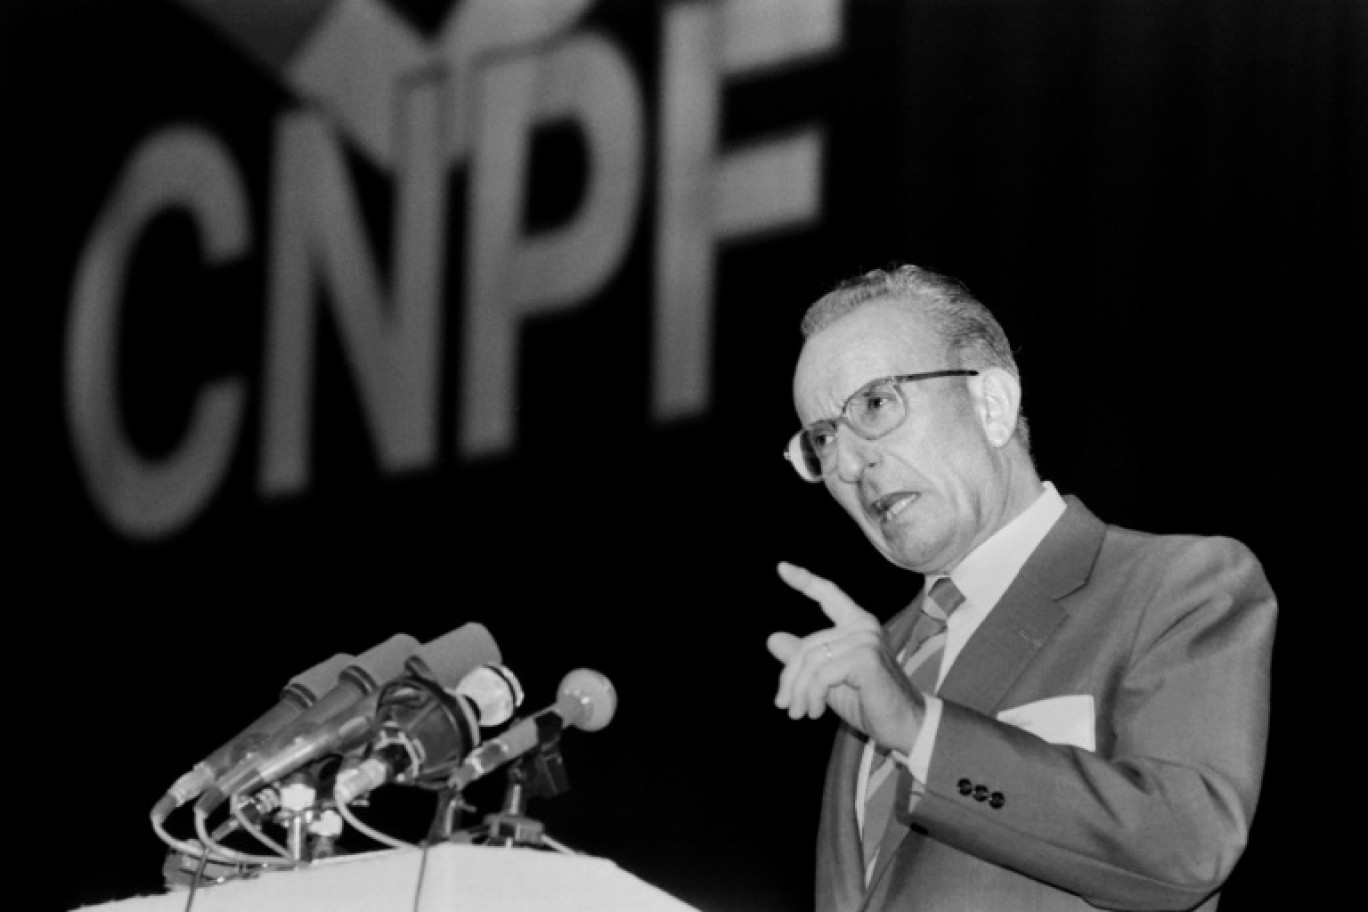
[{"x": 419, "y": 108}]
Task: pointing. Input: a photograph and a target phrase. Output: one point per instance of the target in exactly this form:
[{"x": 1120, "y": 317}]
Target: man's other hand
[{"x": 848, "y": 666}]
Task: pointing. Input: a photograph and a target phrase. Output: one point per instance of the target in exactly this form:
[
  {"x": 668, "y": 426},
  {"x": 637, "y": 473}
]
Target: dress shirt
[{"x": 982, "y": 576}]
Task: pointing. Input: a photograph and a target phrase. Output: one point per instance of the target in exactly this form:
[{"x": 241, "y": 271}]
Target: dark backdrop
[{"x": 1164, "y": 201}]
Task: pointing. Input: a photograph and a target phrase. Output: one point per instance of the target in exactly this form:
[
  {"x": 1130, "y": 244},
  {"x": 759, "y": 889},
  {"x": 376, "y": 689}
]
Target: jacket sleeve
[{"x": 1159, "y": 816}]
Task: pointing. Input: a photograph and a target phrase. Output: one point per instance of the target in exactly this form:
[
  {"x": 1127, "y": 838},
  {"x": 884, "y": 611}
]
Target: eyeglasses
[{"x": 875, "y": 409}]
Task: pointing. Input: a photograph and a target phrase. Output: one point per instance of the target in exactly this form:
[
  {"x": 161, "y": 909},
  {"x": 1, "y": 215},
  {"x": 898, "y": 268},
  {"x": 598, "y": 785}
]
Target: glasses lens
[
  {"x": 876, "y": 409},
  {"x": 804, "y": 457}
]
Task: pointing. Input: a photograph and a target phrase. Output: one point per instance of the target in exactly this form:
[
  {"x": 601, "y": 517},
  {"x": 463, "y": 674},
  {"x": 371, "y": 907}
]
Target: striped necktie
[{"x": 922, "y": 664}]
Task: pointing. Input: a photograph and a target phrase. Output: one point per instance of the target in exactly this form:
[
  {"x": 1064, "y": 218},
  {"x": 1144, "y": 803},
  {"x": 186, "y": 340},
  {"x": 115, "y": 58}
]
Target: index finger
[{"x": 837, "y": 606}]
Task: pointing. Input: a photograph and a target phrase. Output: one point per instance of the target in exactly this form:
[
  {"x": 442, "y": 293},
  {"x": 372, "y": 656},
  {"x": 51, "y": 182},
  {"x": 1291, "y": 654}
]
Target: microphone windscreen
[
  {"x": 586, "y": 699},
  {"x": 366, "y": 673},
  {"x": 383, "y": 663},
  {"x": 452, "y": 656}
]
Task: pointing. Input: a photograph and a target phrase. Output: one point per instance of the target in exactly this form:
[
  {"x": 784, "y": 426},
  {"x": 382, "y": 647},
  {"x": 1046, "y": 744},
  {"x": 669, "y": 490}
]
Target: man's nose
[{"x": 854, "y": 455}]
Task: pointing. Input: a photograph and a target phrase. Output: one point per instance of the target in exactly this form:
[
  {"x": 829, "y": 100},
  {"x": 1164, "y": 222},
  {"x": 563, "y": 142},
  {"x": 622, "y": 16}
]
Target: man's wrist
[{"x": 917, "y": 758}]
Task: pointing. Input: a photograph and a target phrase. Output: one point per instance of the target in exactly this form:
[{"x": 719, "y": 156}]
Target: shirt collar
[{"x": 986, "y": 572}]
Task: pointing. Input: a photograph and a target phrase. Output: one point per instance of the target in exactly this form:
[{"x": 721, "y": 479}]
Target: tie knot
[{"x": 943, "y": 599}]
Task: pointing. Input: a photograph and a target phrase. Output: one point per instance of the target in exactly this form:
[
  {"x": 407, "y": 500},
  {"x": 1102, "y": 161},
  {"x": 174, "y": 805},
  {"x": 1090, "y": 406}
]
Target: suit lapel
[
  {"x": 1028, "y": 613},
  {"x": 1001, "y": 649}
]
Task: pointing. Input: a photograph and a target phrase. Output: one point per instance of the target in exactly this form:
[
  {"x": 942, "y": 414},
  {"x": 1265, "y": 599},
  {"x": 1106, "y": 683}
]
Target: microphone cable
[
  {"x": 196, "y": 880},
  {"x": 202, "y": 830},
  {"x": 369, "y": 831},
  {"x": 238, "y": 808}
]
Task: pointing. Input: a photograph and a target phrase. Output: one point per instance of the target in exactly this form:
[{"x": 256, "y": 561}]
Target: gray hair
[{"x": 970, "y": 333}]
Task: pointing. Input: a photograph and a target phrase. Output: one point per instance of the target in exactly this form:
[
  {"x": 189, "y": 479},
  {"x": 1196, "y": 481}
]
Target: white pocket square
[{"x": 1059, "y": 720}]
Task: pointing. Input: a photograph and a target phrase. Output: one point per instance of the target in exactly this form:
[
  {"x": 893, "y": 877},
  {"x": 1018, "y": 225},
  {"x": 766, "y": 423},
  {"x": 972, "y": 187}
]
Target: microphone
[
  {"x": 426, "y": 729},
  {"x": 372, "y": 669},
  {"x": 310, "y": 731},
  {"x": 302, "y": 692},
  {"x": 344, "y": 717},
  {"x": 585, "y": 700},
  {"x": 452, "y": 656}
]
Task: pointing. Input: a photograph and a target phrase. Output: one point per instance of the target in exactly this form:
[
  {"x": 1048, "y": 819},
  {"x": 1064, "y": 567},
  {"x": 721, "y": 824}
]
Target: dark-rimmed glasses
[{"x": 873, "y": 410}]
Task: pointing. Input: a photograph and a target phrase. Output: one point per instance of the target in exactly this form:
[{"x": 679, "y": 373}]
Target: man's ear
[{"x": 998, "y": 404}]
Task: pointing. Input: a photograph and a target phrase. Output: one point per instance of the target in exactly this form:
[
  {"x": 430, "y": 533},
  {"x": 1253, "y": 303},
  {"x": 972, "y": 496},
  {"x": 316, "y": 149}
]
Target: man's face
[{"x": 934, "y": 488}]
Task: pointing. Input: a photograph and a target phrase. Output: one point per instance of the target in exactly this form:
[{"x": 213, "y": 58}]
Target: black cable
[
  {"x": 195, "y": 880},
  {"x": 422, "y": 872}
]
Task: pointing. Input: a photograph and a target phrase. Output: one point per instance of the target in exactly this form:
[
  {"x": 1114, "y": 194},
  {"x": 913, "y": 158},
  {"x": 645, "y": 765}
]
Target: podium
[{"x": 442, "y": 878}]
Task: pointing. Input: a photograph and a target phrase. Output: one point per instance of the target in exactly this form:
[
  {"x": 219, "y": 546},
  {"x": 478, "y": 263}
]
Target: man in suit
[{"x": 1071, "y": 714}]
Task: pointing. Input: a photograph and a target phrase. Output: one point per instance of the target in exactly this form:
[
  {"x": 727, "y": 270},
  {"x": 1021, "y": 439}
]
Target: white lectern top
[{"x": 444, "y": 878}]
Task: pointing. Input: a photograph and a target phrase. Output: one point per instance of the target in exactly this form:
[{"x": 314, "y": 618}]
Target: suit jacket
[{"x": 1171, "y": 636}]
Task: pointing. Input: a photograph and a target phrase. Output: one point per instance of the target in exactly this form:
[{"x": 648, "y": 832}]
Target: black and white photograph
[{"x": 667, "y": 455}]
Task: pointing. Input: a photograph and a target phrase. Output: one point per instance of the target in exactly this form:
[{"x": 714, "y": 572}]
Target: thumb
[{"x": 782, "y": 646}]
